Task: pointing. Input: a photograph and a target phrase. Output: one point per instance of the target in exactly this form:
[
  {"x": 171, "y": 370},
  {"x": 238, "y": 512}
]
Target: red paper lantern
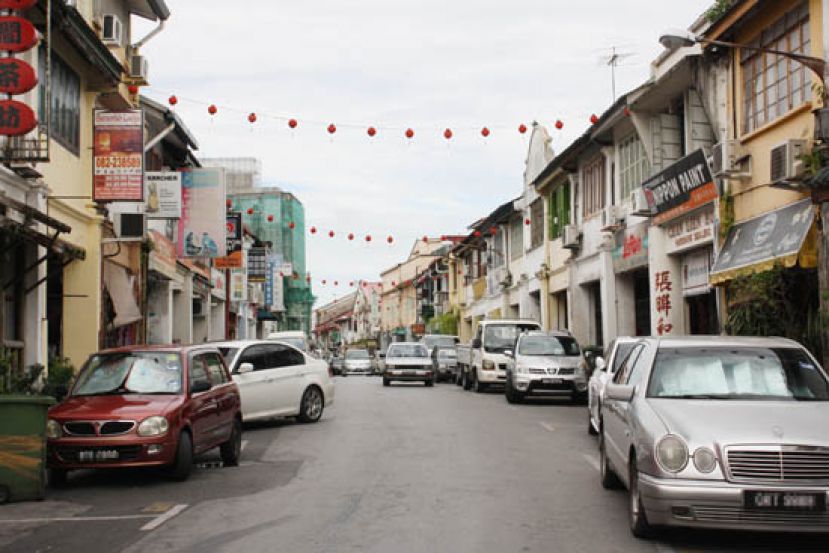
[
  {"x": 250, "y": 211},
  {"x": 229, "y": 203},
  {"x": 332, "y": 128},
  {"x": 308, "y": 279},
  {"x": 627, "y": 111},
  {"x": 447, "y": 134},
  {"x": 212, "y": 109},
  {"x": 313, "y": 230},
  {"x": 409, "y": 133},
  {"x": 527, "y": 222},
  {"x": 331, "y": 234},
  {"x": 270, "y": 218},
  {"x": 485, "y": 132},
  {"x": 365, "y": 285},
  {"x": 323, "y": 282},
  {"x": 296, "y": 276},
  {"x": 292, "y": 123},
  {"x": 476, "y": 234},
  {"x": 292, "y": 225},
  {"x": 336, "y": 283},
  {"x": 522, "y": 128},
  {"x": 368, "y": 238},
  {"x": 252, "y": 118},
  {"x": 172, "y": 100},
  {"x": 393, "y": 283},
  {"x": 559, "y": 124},
  {"x": 390, "y": 240},
  {"x": 281, "y": 274},
  {"x": 425, "y": 239},
  {"x": 493, "y": 231},
  {"x": 371, "y": 131},
  {"x": 350, "y": 236},
  {"x": 351, "y": 284},
  {"x": 594, "y": 118},
  {"x": 132, "y": 89}
]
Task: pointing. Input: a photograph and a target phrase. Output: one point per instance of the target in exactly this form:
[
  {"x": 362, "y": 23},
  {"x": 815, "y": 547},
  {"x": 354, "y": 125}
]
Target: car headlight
[
  {"x": 153, "y": 426},
  {"x": 672, "y": 453},
  {"x": 53, "y": 429},
  {"x": 488, "y": 365},
  {"x": 705, "y": 460}
]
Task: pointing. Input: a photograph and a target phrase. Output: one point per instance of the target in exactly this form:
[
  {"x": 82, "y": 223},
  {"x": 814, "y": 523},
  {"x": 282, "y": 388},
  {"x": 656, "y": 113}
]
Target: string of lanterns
[{"x": 371, "y": 130}]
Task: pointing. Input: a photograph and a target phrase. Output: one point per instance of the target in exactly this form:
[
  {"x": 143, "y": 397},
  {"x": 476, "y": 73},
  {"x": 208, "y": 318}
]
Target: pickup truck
[{"x": 482, "y": 362}]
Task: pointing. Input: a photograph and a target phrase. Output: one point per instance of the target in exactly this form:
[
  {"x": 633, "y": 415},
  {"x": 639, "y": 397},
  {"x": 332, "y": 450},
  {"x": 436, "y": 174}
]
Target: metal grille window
[
  {"x": 772, "y": 84},
  {"x": 497, "y": 251},
  {"x": 593, "y": 186},
  {"x": 633, "y": 164},
  {"x": 536, "y": 223},
  {"x": 516, "y": 238},
  {"x": 559, "y": 210},
  {"x": 66, "y": 101}
]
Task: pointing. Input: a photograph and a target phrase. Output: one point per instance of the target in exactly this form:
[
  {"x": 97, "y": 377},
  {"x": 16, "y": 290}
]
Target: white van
[{"x": 294, "y": 338}]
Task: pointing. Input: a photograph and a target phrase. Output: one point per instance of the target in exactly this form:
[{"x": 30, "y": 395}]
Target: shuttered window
[{"x": 559, "y": 210}]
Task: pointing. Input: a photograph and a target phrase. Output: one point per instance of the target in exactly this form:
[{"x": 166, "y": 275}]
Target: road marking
[
  {"x": 513, "y": 407},
  {"x": 593, "y": 462},
  {"x": 158, "y": 521},
  {"x": 664, "y": 548},
  {"x": 157, "y": 508},
  {"x": 547, "y": 427},
  {"x": 244, "y": 444},
  {"x": 75, "y": 519}
]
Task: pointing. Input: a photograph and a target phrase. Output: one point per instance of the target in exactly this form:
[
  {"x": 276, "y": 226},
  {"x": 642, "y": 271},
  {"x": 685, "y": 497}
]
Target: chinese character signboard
[
  {"x": 17, "y": 35},
  {"x": 16, "y": 76},
  {"x": 217, "y": 284},
  {"x": 118, "y": 156},
  {"x": 269, "y": 280},
  {"x": 201, "y": 229},
  {"x": 663, "y": 291},
  {"x": 163, "y": 195},
  {"x": 257, "y": 264},
  {"x": 691, "y": 231},
  {"x": 631, "y": 251},
  {"x": 233, "y": 233},
  {"x": 681, "y": 188}
]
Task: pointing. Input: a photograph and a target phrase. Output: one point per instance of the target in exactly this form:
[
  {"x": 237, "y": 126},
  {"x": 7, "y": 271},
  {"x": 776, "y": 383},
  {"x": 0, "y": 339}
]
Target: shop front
[{"x": 630, "y": 264}]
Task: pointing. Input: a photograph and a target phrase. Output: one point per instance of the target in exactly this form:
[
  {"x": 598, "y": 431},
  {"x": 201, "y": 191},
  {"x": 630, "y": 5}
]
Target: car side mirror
[
  {"x": 476, "y": 343},
  {"x": 245, "y": 368},
  {"x": 619, "y": 392},
  {"x": 200, "y": 386},
  {"x": 601, "y": 364}
]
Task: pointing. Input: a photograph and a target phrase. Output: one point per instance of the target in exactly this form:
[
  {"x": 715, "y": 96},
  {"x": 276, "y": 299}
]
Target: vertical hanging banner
[
  {"x": 17, "y": 35},
  {"x": 201, "y": 229},
  {"x": 234, "y": 258},
  {"x": 118, "y": 156}
]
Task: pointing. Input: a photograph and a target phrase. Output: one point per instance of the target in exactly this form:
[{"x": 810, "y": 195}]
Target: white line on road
[
  {"x": 593, "y": 462},
  {"x": 547, "y": 427},
  {"x": 74, "y": 519},
  {"x": 158, "y": 521},
  {"x": 244, "y": 444}
]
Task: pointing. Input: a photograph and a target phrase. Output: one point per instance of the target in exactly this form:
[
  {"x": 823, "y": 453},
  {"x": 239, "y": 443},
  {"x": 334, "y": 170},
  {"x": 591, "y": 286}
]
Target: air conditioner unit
[
  {"x": 639, "y": 204},
  {"x": 724, "y": 158},
  {"x": 785, "y": 160},
  {"x": 112, "y": 33},
  {"x": 572, "y": 237},
  {"x": 128, "y": 225},
  {"x": 139, "y": 68},
  {"x": 610, "y": 218}
]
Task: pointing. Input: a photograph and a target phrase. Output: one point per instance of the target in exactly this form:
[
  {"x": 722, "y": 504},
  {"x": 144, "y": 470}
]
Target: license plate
[
  {"x": 551, "y": 381},
  {"x": 97, "y": 456},
  {"x": 785, "y": 501}
]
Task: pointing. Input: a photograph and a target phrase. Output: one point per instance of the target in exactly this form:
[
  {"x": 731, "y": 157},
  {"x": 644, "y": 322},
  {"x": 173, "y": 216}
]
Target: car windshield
[
  {"x": 738, "y": 373},
  {"x": 548, "y": 345},
  {"x": 408, "y": 350},
  {"x": 228, "y": 353},
  {"x": 135, "y": 372},
  {"x": 502, "y": 337},
  {"x": 621, "y": 352},
  {"x": 357, "y": 354},
  {"x": 438, "y": 341}
]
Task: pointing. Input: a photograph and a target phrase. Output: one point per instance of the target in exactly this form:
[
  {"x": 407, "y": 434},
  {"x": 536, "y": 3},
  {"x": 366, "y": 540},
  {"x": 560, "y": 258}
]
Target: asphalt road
[{"x": 400, "y": 469}]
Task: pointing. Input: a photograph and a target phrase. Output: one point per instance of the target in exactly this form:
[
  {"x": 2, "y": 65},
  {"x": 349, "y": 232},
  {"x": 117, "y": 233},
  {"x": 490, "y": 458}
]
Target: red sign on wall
[
  {"x": 16, "y": 34},
  {"x": 16, "y": 76},
  {"x": 17, "y": 4},
  {"x": 16, "y": 118}
]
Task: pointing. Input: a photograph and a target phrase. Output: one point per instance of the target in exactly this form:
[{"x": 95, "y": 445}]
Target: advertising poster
[
  {"x": 118, "y": 156},
  {"x": 201, "y": 229},
  {"x": 238, "y": 285},
  {"x": 233, "y": 259},
  {"x": 681, "y": 188},
  {"x": 162, "y": 195},
  {"x": 257, "y": 264}
]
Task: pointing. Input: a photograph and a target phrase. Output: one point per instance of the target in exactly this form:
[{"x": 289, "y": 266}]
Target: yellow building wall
[{"x": 753, "y": 196}]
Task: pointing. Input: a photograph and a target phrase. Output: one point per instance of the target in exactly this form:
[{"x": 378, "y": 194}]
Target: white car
[
  {"x": 278, "y": 380},
  {"x": 357, "y": 361},
  {"x": 605, "y": 369},
  {"x": 296, "y": 338}
]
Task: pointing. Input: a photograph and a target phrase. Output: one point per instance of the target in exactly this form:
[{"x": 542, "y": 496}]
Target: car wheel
[
  {"x": 458, "y": 380},
  {"x": 609, "y": 479},
  {"x": 590, "y": 428},
  {"x": 480, "y": 387},
  {"x": 310, "y": 410},
  {"x": 578, "y": 398},
  {"x": 467, "y": 383},
  {"x": 430, "y": 383},
  {"x": 183, "y": 465},
  {"x": 639, "y": 525},
  {"x": 511, "y": 394},
  {"x": 57, "y": 477},
  {"x": 386, "y": 382},
  {"x": 231, "y": 450}
]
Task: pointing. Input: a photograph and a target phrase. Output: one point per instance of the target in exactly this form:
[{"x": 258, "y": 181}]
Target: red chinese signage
[
  {"x": 17, "y": 4},
  {"x": 16, "y": 34},
  {"x": 664, "y": 287},
  {"x": 16, "y": 118},
  {"x": 16, "y": 76},
  {"x": 118, "y": 156}
]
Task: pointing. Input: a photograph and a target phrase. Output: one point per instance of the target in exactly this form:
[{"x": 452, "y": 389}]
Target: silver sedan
[{"x": 719, "y": 432}]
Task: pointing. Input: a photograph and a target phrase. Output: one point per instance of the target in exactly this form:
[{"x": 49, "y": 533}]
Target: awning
[
  {"x": 120, "y": 289},
  {"x": 786, "y": 237}
]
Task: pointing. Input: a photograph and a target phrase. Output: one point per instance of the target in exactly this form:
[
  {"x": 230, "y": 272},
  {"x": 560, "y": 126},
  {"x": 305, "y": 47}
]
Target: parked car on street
[
  {"x": 356, "y": 361},
  {"x": 431, "y": 341},
  {"x": 378, "y": 364},
  {"x": 719, "y": 432},
  {"x": 296, "y": 338},
  {"x": 545, "y": 363},
  {"x": 278, "y": 380},
  {"x": 445, "y": 362},
  {"x": 408, "y": 362},
  {"x": 142, "y": 406},
  {"x": 482, "y": 363},
  {"x": 605, "y": 367},
  {"x": 336, "y": 365}
]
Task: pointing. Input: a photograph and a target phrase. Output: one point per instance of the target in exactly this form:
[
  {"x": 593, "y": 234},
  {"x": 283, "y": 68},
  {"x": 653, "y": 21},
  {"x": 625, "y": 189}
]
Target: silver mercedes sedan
[{"x": 719, "y": 432}]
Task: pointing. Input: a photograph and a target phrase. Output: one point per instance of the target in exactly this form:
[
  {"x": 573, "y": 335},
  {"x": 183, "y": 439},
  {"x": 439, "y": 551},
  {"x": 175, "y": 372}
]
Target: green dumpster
[{"x": 23, "y": 447}]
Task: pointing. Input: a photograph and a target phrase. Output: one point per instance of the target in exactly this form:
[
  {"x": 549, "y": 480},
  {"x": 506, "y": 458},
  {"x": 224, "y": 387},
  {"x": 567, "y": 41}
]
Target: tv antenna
[{"x": 612, "y": 60}]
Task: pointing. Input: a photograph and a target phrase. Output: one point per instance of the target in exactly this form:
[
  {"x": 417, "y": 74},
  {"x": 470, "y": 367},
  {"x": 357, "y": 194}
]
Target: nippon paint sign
[{"x": 681, "y": 188}]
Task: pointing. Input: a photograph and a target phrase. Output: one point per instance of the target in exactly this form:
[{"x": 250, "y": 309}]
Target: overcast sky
[{"x": 424, "y": 64}]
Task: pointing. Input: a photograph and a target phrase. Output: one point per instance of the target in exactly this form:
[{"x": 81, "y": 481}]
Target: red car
[{"x": 145, "y": 406}]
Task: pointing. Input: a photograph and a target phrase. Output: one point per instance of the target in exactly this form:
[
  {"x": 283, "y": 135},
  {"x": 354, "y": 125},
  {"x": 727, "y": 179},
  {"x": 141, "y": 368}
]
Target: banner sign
[
  {"x": 696, "y": 267},
  {"x": 233, "y": 234},
  {"x": 238, "y": 285},
  {"x": 163, "y": 194},
  {"x": 16, "y": 76},
  {"x": 118, "y": 156},
  {"x": 691, "y": 231},
  {"x": 631, "y": 251},
  {"x": 269, "y": 280},
  {"x": 16, "y": 118},
  {"x": 257, "y": 264},
  {"x": 681, "y": 188},
  {"x": 201, "y": 229}
]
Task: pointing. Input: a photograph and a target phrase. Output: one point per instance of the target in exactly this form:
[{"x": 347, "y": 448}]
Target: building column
[
  {"x": 610, "y": 321},
  {"x": 667, "y": 303}
]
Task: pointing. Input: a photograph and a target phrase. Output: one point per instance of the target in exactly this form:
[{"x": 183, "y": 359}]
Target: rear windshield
[
  {"x": 408, "y": 350},
  {"x": 357, "y": 354}
]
